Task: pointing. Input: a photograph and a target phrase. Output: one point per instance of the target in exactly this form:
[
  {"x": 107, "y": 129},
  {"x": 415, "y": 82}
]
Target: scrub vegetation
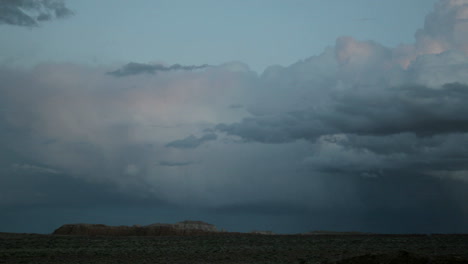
[{"x": 234, "y": 248}]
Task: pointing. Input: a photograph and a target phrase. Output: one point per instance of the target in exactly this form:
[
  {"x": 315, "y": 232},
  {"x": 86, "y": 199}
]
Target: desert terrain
[{"x": 223, "y": 247}]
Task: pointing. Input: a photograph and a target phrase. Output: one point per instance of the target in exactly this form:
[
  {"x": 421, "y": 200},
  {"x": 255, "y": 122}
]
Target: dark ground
[{"x": 230, "y": 248}]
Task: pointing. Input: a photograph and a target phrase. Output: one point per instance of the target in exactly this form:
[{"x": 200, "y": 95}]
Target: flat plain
[{"x": 234, "y": 248}]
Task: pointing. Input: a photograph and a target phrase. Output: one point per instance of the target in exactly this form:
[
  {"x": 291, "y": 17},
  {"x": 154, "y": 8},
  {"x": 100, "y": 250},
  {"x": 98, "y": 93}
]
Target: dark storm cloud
[
  {"x": 191, "y": 141},
  {"x": 411, "y": 109},
  {"x": 31, "y": 12},
  {"x": 281, "y": 128},
  {"x": 134, "y": 68},
  {"x": 415, "y": 109}
]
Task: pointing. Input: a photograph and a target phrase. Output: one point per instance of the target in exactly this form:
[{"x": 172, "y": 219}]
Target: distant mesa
[
  {"x": 196, "y": 225},
  {"x": 157, "y": 229},
  {"x": 184, "y": 228}
]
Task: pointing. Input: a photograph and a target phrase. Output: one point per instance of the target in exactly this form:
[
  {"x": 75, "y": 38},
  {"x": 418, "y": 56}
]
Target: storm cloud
[
  {"x": 362, "y": 131},
  {"x": 134, "y": 68},
  {"x": 191, "y": 141},
  {"x": 362, "y": 111},
  {"x": 31, "y": 13}
]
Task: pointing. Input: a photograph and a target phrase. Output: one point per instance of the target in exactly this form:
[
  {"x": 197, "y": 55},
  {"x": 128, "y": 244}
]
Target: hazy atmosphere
[{"x": 290, "y": 116}]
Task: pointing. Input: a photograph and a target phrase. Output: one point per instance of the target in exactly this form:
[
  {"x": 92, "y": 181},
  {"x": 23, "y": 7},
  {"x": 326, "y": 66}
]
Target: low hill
[{"x": 157, "y": 229}]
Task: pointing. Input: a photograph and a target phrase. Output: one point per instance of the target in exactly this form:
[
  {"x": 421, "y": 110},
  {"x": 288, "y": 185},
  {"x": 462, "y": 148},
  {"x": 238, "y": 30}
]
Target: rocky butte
[{"x": 157, "y": 229}]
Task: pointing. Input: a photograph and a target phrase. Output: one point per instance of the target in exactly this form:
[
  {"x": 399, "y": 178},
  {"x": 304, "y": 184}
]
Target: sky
[{"x": 288, "y": 116}]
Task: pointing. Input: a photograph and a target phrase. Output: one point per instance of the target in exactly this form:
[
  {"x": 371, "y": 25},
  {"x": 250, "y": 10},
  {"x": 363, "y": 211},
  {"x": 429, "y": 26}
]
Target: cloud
[
  {"x": 374, "y": 90},
  {"x": 34, "y": 168},
  {"x": 382, "y": 127},
  {"x": 175, "y": 164},
  {"x": 113, "y": 131},
  {"x": 134, "y": 68},
  {"x": 191, "y": 141},
  {"x": 374, "y": 114},
  {"x": 30, "y": 13},
  {"x": 444, "y": 29},
  {"x": 419, "y": 110}
]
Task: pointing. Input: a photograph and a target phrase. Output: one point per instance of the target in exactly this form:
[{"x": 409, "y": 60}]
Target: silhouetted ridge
[{"x": 156, "y": 229}]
